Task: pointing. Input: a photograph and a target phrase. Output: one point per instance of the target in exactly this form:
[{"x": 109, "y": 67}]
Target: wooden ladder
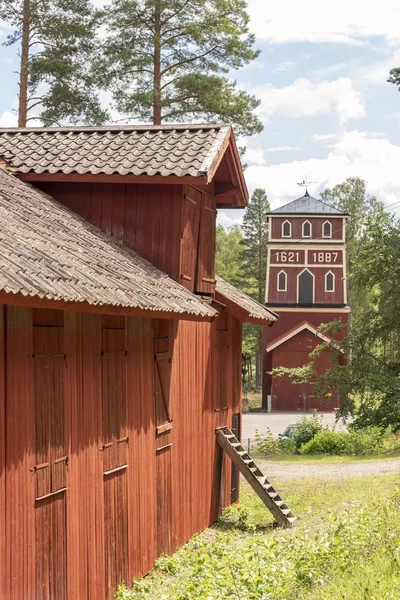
[{"x": 255, "y": 477}]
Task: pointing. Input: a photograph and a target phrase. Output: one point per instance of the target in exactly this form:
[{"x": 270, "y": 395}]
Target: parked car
[{"x": 289, "y": 431}]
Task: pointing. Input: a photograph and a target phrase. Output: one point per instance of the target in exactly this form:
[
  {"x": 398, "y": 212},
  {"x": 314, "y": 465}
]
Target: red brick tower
[{"x": 306, "y": 286}]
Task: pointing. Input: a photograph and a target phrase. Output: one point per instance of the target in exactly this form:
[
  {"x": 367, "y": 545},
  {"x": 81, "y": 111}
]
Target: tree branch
[{"x": 188, "y": 60}]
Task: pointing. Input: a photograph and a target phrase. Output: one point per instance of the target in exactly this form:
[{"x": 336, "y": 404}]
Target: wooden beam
[
  {"x": 102, "y": 178},
  {"x": 37, "y": 302},
  {"x": 239, "y": 313}
]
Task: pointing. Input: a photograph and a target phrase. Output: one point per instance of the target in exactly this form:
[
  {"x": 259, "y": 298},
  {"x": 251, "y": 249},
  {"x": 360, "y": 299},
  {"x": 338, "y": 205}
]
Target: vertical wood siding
[{"x": 134, "y": 386}]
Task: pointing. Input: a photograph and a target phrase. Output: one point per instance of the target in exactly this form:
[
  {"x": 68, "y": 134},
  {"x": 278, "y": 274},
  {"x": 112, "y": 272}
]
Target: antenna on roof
[{"x": 305, "y": 183}]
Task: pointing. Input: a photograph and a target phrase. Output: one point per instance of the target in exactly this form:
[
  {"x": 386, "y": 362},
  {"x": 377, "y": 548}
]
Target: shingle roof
[
  {"x": 49, "y": 252},
  {"x": 307, "y": 205},
  {"x": 252, "y": 311},
  {"x": 180, "y": 150}
]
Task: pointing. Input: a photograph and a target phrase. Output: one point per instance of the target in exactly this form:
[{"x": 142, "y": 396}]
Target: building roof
[
  {"x": 306, "y": 205},
  {"x": 180, "y": 150},
  {"x": 287, "y": 335},
  {"x": 242, "y": 306},
  {"x": 48, "y": 252}
]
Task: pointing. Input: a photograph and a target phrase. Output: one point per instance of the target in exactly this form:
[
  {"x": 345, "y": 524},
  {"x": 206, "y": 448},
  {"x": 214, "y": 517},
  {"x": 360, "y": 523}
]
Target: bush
[
  {"x": 307, "y": 428},
  {"x": 267, "y": 445},
  {"x": 361, "y": 442}
]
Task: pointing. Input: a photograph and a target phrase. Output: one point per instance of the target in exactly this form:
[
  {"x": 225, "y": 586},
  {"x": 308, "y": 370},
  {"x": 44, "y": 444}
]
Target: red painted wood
[
  {"x": 2, "y": 454},
  {"x": 316, "y": 224},
  {"x": 290, "y": 296}
]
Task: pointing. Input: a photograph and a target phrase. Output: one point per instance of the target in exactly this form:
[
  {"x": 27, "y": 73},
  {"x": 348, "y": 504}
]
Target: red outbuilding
[
  {"x": 120, "y": 351},
  {"x": 306, "y": 286}
]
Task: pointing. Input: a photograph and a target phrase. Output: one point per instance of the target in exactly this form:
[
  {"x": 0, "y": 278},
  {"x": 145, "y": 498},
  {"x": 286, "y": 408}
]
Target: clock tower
[{"x": 306, "y": 286}]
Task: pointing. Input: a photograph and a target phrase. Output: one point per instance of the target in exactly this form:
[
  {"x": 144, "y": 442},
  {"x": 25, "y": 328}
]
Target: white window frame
[
  {"x": 334, "y": 282},
  {"x": 277, "y": 281},
  {"x": 290, "y": 229},
  {"x": 323, "y": 229},
  {"x": 298, "y": 284},
  {"x": 302, "y": 229}
]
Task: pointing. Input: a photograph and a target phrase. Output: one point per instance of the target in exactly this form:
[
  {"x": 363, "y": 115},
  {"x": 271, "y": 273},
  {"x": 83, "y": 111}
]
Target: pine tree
[
  {"x": 167, "y": 60},
  {"x": 254, "y": 257},
  {"x": 56, "y": 41}
]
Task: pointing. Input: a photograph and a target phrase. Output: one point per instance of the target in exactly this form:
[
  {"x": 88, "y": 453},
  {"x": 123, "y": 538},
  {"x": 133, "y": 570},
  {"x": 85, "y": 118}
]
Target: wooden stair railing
[{"x": 271, "y": 498}]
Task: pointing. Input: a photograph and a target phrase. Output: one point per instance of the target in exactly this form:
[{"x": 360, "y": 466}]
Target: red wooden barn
[
  {"x": 306, "y": 286},
  {"x": 120, "y": 351}
]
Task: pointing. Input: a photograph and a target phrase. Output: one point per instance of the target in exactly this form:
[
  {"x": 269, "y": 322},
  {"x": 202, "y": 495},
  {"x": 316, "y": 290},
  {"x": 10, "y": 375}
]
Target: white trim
[
  {"x": 323, "y": 227},
  {"x": 320, "y": 266},
  {"x": 344, "y": 279},
  {"x": 327, "y": 241},
  {"x": 290, "y": 229},
  {"x": 298, "y": 279},
  {"x": 334, "y": 282},
  {"x": 268, "y": 272},
  {"x": 328, "y": 309},
  {"x": 277, "y": 281},
  {"x": 272, "y": 345},
  {"x": 302, "y": 229},
  {"x": 309, "y": 215}
]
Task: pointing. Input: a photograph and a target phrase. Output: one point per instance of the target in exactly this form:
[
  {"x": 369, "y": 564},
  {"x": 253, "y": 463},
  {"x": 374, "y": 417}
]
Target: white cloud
[
  {"x": 350, "y": 22},
  {"x": 304, "y": 98},
  {"x": 283, "y": 148},
  {"x": 8, "y": 119},
  {"x": 229, "y": 218},
  {"x": 254, "y": 156},
  {"x": 355, "y": 154}
]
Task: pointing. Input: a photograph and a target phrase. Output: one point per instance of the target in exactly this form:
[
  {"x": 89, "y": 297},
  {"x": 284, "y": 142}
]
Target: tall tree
[
  {"x": 351, "y": 197},
  {"x": 168, "y": 60},
  {"x": 228, "y": 254},
  {"x": 254, "y": 257},
  {"x": 394, "y": 77},
  {"x": 56, "y": 41}
]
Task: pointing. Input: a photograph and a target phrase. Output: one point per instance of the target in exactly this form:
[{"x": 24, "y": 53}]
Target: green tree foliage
[
  {"x": 228, "y": 257},
  {"x": 57, "y": 39},
  {"x": 167, "y": 60},
  {"x": 351, "y": 197},
  {"x": 394, "y": 77},
  {"x": 254, "y": 267}
]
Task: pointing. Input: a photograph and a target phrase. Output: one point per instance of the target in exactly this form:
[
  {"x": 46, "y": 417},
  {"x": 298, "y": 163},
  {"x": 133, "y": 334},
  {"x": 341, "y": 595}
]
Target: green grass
[
  {"x": 325, "y": 458},
  {"x": 346, "y": 545}
]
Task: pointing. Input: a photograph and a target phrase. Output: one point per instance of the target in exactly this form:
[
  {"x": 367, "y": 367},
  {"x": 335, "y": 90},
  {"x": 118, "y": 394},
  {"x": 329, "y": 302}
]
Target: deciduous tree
[
  {"x": 56, "y": 41},
  {"x": 168, "y": 60}
]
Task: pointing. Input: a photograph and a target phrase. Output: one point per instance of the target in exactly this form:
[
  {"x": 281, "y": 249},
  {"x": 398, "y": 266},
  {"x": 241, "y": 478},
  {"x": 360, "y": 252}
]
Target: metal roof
[
  {"x": 49, "y": 252},
  {"x": 307, "y": 205}
]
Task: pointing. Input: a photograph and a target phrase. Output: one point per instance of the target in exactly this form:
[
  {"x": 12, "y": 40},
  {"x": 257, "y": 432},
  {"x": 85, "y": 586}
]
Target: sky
[{"x": 326, "y": 107}]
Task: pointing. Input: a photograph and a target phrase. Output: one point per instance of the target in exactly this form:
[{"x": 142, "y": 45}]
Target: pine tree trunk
[
  {"x": 23, "y": 77},
  {"x": 157, "y": 65}
]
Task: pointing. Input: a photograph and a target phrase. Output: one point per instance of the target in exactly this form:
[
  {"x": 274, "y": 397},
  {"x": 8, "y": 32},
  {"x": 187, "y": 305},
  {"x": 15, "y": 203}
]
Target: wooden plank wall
[
  {"x": 195, "y": 459},
  {"x": 146, "y": 218}
]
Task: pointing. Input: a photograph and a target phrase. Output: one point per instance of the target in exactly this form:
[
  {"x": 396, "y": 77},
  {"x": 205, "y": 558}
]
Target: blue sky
[{"x": 325, "y": 104}]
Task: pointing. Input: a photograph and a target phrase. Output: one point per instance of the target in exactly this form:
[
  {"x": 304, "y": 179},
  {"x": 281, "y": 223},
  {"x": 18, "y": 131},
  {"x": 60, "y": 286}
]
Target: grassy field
[{"x": 345, "y": 545}]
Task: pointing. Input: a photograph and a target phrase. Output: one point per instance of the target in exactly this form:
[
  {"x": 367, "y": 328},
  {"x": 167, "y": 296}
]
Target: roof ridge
[{"x": 105, "y": 128}]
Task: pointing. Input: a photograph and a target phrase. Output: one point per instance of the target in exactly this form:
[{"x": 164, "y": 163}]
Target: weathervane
[{"x": 305, "y": 183}]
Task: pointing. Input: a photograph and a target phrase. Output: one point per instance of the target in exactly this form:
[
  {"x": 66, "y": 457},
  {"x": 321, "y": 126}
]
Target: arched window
[
  {"x": 329, "y": 282},
  {"x": 286, "y": 229},
  {"x": 327, "y": 229},
  {"x": 282, "y": 281},
  {"x": 305, "y": 287},
  {"x": 307, "y": 229}
]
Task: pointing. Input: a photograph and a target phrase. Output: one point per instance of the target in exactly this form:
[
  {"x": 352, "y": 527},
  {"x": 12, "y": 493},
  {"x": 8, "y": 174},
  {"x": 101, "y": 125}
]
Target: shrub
[
  {"x": 267, "y": 445},
  {"x": 307, "y": 428},
  {"x": 361, "y": 442}
]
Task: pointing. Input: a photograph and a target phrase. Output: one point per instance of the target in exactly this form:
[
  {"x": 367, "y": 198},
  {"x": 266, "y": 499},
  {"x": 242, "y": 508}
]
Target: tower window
[
  {"x": 286, "y": 229},
  {"x": 329, "y": 282},
  {"x": 282, "y": 281},
  {"x": 327, "y": 229},
  {"x": 307, "y": 229}
]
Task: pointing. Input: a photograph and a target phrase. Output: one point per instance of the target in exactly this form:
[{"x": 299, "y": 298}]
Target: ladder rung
[
  {"x": 274, "y": 495},
  {"x": 286, "y": 511},
  {"x": 280, "y": 503}
]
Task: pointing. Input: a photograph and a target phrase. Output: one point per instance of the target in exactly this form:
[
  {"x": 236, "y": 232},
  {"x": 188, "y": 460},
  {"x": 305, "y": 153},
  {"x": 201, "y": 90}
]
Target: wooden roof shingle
[
  {"x": 49, "y": 252},
  {"x": 242, "y": 306}
]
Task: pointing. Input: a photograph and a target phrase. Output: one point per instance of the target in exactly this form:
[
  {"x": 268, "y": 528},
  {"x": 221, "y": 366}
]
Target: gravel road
[{"x": 283, "y": 471}]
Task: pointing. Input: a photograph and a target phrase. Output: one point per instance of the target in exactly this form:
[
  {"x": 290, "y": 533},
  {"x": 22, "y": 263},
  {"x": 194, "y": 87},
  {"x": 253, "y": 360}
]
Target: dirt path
[{"x": 285, "y": 471}]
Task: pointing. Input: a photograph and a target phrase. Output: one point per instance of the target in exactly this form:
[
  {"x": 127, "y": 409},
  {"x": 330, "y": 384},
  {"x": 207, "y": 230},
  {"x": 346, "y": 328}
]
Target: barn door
[
  {"x": 221, "y": 370},
  {"x": 50, "y": 470},
  {"x": 205, "y": 279},
  {"x": 115, "y": 457},
  {"x": 190, "y": 220},
  {"x": 162, "y": 384}
]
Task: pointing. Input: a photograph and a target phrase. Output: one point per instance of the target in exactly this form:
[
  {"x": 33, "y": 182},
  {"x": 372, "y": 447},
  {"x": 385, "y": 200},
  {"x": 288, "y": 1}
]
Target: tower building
[{"x": 306, "y": 286}]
